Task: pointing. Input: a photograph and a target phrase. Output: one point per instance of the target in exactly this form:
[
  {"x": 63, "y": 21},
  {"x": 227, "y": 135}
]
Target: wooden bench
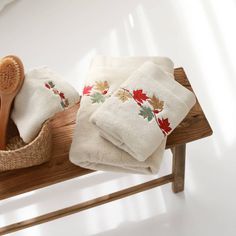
[{"x": 195, "y": 126}]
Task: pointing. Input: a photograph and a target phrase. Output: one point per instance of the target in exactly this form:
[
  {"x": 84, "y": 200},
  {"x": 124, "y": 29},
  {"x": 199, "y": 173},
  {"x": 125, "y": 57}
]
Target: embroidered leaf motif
[
  {"x": 63, "y": 100},
  {"x": 139, "y": 96},
  {"x": 62, "y": 95},
  {"x": 97, "y": 98},
  {"x": 66, "y": 102},
  {"x": 97, "y": 91},
  {"x": 146, "y": 112},
  {"x": 101, "y": 86},
  {"x": 47, "y": 85},
  {"x": 62, "y": 104},
  {"x": 55, "y": 91},
  {"x": 52, "y": 85},
  {"x": 156, "y": 103},
  {"x": 87, "y": 90},
  {"x": 164, "y": 125},
  {"x": 123, "y": 95}
]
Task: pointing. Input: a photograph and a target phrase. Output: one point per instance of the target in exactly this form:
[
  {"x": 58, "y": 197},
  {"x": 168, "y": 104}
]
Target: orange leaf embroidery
[
  {"x": 101, "y": 86},
  {"x": 123, "y": 95},
  {"x": 156, "y": 103}
]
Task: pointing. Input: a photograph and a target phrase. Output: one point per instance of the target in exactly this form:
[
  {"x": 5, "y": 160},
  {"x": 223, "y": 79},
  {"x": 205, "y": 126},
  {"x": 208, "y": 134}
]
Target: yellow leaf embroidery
[
  {"x": 156, "y": 103},
  {"x": 123, "y": 95},
  {"x": 101, "y": 85}
]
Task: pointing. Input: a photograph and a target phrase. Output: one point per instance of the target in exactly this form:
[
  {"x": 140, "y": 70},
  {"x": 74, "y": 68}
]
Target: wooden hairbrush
[{"x": 11, "y": 80}]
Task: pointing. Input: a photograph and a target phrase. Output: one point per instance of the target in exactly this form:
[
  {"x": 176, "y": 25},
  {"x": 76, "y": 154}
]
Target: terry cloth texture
[
  {"x": 89, "y": 149},
  {"x": 146, "y": 108},
  {"x": 43, "y": 94}
]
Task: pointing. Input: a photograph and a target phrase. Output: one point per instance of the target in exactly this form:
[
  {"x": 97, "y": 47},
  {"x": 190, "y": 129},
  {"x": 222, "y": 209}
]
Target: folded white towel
[
  {"x": 89, "y": 149},
  {"x": 146, "y": 108},
  {"x": 42, "y": 95}
]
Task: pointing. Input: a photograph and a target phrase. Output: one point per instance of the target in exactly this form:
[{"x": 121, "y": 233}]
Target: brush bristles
[{"x": 10, "y": 72}]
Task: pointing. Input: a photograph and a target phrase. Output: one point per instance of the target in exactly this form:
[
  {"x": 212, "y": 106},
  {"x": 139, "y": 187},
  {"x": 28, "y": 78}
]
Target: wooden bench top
[{"x": 194, "y": 126}]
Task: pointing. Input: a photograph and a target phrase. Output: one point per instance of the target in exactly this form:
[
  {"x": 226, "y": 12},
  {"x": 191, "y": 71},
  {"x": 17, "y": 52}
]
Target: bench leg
[{"x": 178, "y": 167}]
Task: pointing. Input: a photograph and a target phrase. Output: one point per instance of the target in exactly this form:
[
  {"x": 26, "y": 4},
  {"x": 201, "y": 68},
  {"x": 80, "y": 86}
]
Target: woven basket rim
[{"x": 45, "y": 124}]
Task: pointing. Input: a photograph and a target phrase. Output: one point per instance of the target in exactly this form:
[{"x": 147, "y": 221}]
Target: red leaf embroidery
[
  {"x": 47, "y": 85},
  {"x": 164, "y": 125},
  {"x": 139, "y": 96},
  {"x": 105, "y": 92},
  {"x": 87, "y": 90},
  {"x": 62, "y": 95},
  {"x": 63, "y": 100},
  {"x": 55, "y": 91},
  {"x": 156, "y": 111}
]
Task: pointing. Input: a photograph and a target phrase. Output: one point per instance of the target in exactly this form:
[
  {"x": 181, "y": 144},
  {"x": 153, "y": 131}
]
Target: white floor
[{"x": 198, "y": 35}]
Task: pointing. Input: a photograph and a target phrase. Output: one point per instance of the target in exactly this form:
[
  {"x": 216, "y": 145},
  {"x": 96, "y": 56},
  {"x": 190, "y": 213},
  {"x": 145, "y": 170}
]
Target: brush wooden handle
[
  {"x": 11, "y": 80},
  {"x": 4, "y": 118}
]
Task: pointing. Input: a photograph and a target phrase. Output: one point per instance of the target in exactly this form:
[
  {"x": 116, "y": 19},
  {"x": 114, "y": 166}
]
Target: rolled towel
[
  {"x": 89, "y": 149},
  {"x": 143, "y": 111},
  {"x": 43, "y": 94}
]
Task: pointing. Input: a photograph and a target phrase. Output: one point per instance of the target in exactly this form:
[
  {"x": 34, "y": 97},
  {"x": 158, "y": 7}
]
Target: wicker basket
[{"x": 20, "y": 155}]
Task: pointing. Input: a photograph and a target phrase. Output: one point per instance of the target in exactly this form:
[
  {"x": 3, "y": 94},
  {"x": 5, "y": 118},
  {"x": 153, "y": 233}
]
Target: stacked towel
[
  {"x": 89, "y": 149},
  {"x": 42, "y": 95},
  {"x": 143, "y": 111}
]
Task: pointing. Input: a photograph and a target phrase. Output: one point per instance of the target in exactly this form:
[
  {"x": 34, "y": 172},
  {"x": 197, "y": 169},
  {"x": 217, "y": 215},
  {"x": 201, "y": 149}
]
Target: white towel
[
  {"x": 43, "y": 94},
  {"x": 146, "y": 108},
  {"x": 89, "y": 149}
]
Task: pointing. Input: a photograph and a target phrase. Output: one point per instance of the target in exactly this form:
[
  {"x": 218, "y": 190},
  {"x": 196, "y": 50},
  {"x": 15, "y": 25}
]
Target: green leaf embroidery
[
  {"x": 52, "y": 85},
  {"x": 146, "y": 112},
  {"x": 62, "y": 104},
  {"x": 97, "y": 98}
]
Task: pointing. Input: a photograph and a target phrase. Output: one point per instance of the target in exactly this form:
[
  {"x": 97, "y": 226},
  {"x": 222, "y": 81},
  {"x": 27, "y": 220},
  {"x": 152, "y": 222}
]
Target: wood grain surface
[{"x": 195, "y": 126}]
